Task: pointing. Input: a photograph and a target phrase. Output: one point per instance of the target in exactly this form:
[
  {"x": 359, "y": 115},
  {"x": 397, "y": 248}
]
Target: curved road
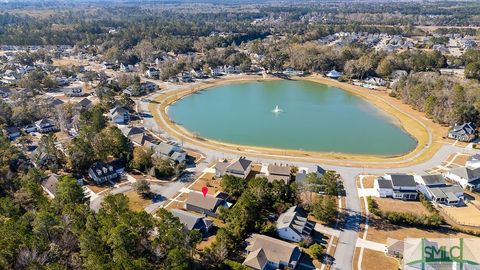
[{"x": 345, "y": 249}]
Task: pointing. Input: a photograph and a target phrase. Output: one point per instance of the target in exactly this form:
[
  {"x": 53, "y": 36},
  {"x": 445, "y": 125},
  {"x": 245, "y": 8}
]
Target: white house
[
  {"x": 264, "y": 252},
  {"x": 119, "y": 115},
  {"x": 384, "y": 187},
  {"x": 293, "y": 225},
  {"x": 435, "y": 189},
  {"x": 465, "y": 177},
  {"x": 333, "y": 74},
  {"x": 240, "y": 167},
  {"x": 397, "y": 186}
]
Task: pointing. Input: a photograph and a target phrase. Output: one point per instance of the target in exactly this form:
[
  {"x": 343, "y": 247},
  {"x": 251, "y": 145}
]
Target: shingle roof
[
  {"x": 296, "y": 219},
  {"x": 279, "y": 170},
  {"x": 256, "y": 259},
  {"x": 403, "y": 180},
  {"x": 190, "y": 219},
  {"x": 435, "y": 179},
  {"x": 466, "y": 173},
  {"x": 275, "y": 250},
  {"x": 241, "y": 164},
  {"x": 50, "y": 184},
  {"x": 384, "y": 183},
  {"x": 208, "y": 202}
]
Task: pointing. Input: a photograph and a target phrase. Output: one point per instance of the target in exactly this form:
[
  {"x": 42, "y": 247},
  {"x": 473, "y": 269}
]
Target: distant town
[{"x": 97, "y": 172}]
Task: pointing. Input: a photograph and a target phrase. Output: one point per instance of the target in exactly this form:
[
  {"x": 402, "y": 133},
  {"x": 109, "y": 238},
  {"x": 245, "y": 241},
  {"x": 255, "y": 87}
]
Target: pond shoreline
[{"x": 426, "y": 145}]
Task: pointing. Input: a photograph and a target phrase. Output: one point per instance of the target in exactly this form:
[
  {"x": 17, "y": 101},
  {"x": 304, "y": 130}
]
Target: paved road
[{"x": 344, "y": 252}]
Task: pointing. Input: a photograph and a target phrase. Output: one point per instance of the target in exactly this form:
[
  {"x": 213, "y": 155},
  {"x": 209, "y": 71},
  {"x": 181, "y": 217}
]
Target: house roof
[
  {"x": 44, "y": 122},
  {"x": 446, "y": 192},
  {"x": 275, "y": 250},
  {"x": 221, "y": 166},
  {"x": 118, "y": 110},
  {"x": 240, "y": 164},
  {"x": 130, "y": 131},
  {"x": 256, "y": 259},
  {"x": 11, "y": 130},
  {"x": 394, "y": 245},
  {"x": 56, "y": 102},
  {"x": 50, "y": 184},
  {"x": 433, "y": 179},
  {"x": 475, "y": 157},
  {"x": 190, "y": 220},
  {"x": 403, "y": 180},
  {"x": 384, "y": 183},
  {"x": 208, "y": 202},
  {"x": 278, "y": 170},
  {"x": 101, "y": 169},
  {"x": 84, "y": 103},
  {"x": 272, "y": 178},
  {"x": 466, "y": 173},
  {"x": 465, "y": 128},
  {"x": 296, "y": 219}
]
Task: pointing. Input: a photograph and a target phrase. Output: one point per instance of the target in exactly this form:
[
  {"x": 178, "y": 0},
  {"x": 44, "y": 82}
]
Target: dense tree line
[{"x": 63, "y": 233}]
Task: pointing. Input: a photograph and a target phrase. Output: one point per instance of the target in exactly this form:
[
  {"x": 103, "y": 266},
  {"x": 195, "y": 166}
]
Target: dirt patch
[
  {"x": 376, "y": 260},
  {"x": 368, "y": 181},
  {"x": 97, "y": 189},
  {"x": 468, "y": 215},
  {"x": 461, "y": 160},
  {"x": 207, "y": 180},
  {"x": 414, "y": 207},
  {"x": 136, "y": 202}
]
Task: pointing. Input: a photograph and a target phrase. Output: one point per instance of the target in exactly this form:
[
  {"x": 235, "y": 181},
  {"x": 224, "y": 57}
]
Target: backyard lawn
[{"x": 414, "y": 207}]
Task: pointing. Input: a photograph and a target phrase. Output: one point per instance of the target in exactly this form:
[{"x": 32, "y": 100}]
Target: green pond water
[{"x": 313, "y": 117}]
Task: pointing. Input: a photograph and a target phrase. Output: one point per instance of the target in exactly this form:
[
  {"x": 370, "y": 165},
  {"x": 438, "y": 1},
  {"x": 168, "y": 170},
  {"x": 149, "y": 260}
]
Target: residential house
[
  {"x": 12, "y": 133},
  {"x": 403, "y": 186},
  {"x": 30, "y": 128},
  {"x": 170, "y": 150},
  {"x": 333, "y": 74},
  {"x": 435, "y": 189},
  {"x": 293, "y": 224},
  {"x": 303, "y": 172},
  {"x": 73, "y": 91},
  {"x": 5, "y": 92},
  {"x": 265, "y": 253},
  {"x": 465, "y": 132},
  {"x": 83, "y": 104},
  {"x": 199, "y": 74},
  {"x": 207, "y": 205},
  {"x": 240, "y": 167},
  {"x": 217, "y": 71},
  {"x": 119, "y": 115},
  {"x": 131, "y": 131},
  {"x": 102, "y": 172},
  {"x": 276, "y": 172},
  {"x": 394, "y": 248},
  {"x": 46, "y": 125},
  {"x": 55, "y": 102},
  {"x": 49, "y": 185},
  {"x": 152, "y": 73},
  {"x": 193, "y": 221},
  {"x": 473, "y": 161},
  {"x": 465, "y": 177}
]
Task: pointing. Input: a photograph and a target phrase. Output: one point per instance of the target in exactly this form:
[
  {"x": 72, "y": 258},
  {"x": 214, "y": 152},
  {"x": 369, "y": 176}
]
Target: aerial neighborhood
[{"x": 237, "y": 135}]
